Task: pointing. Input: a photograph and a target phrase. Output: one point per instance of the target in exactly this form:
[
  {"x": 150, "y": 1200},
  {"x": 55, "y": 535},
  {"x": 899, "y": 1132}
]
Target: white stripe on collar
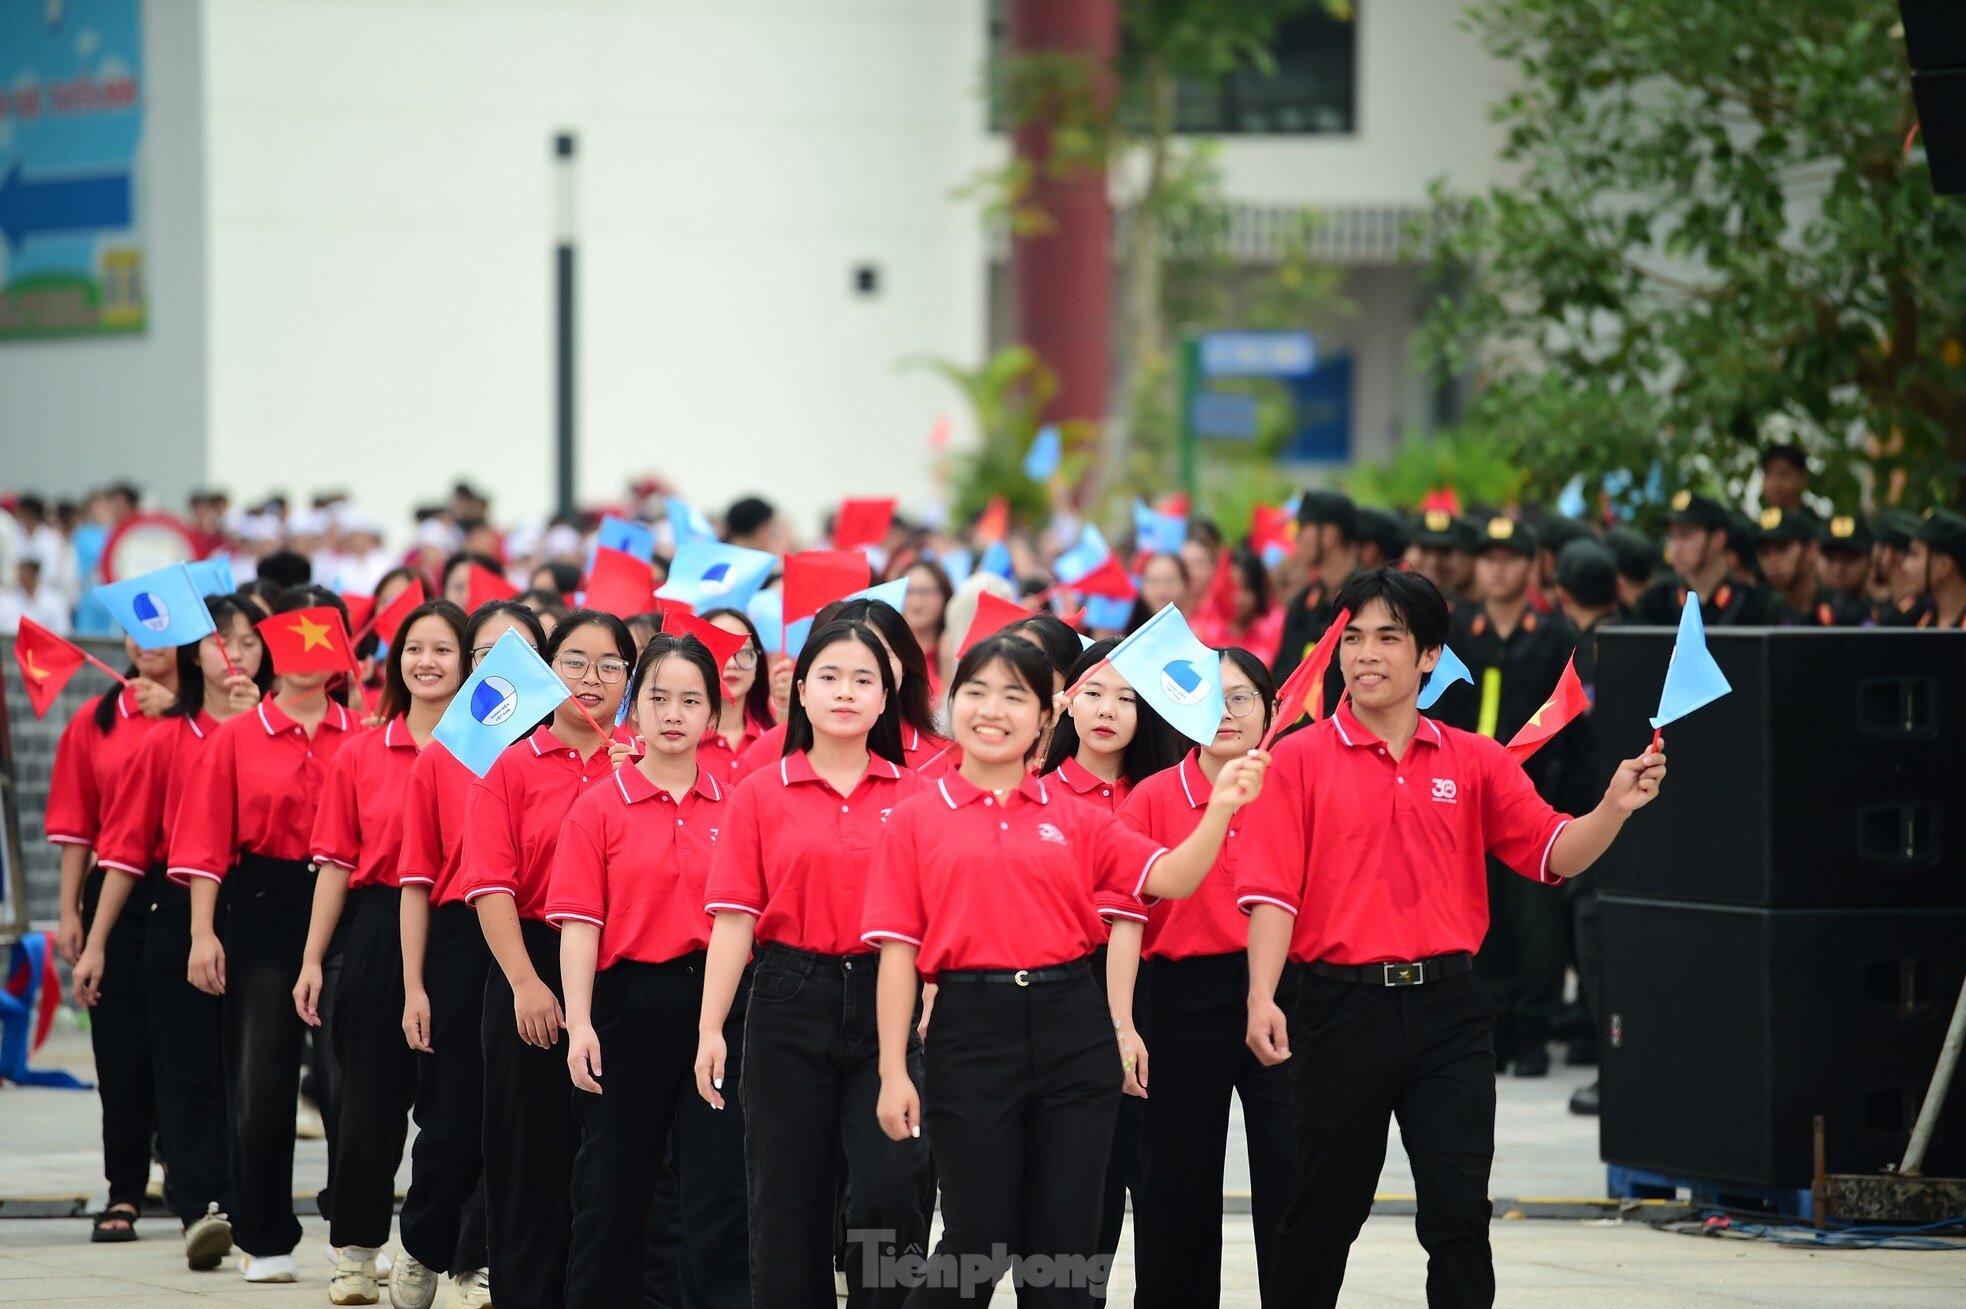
[{"x": 943, "y": 786}]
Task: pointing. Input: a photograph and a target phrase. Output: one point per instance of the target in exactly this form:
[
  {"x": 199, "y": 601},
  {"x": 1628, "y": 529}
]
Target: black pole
[{"x": 563, "y": 148}]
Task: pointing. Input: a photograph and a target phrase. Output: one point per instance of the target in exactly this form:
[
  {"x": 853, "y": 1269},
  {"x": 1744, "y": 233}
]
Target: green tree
[{"x": 1714, "y": 238}]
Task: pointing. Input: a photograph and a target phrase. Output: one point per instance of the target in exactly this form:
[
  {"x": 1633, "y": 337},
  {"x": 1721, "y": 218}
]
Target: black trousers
[
  {"x": 812, "y": 1061},
  {"x": 265, "y": 934},
  {"x": 1521, "y": 962},
  {"x": 1123, "y": 1164},
  {"x": 119, "y": 1032},
  {"x": 320, "y": 1070},
  {"x": 1359, "y": 1055},
  {"x": 443, "y": 1219},
  {"x": 1192, "y": 1014},
  {"x": 529, "y": 1142},
  {"x": 378, "y": 1070},
  {"x": 1582, "y": 894},
  {"x": 187, "y": 1056},
  {"x": 1021, "y": 1092},
  {"x": 705, "y": 1197}
]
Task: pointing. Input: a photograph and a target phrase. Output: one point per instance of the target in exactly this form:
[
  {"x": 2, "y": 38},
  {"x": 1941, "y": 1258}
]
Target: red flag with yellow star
[
  {"x": 1566, "y": 703},
  {"x": 46, "y": 663},
  {"x": 308, "y": 641}
]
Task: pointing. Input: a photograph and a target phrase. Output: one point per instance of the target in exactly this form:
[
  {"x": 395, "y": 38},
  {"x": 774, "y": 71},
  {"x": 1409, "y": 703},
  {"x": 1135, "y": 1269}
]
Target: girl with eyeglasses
[
  {"x": 1191, "y": 1012},
  {"x": 511, "y": 831},
  {"x": 744, "y": 712},
  {"x": 445, "y": 963}
]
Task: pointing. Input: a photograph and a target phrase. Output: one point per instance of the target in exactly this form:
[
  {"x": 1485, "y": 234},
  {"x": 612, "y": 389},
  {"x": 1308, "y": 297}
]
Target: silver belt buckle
[
  {"x": 1414, "y": 974},
  {"x": 1022, "y": 977}
]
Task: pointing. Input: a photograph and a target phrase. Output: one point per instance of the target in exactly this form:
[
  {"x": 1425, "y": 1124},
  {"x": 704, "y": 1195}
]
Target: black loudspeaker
[
  {"x": 1727, "y": 1030},
  {"x": 1935, "y": 44},
  {"x": 1834, "y": 775},
  {"x": 1935, "y": 33}
]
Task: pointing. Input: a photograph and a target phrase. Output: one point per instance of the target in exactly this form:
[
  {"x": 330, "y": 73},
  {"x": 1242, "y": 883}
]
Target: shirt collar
[
  {"x": 1080, "y": 778},
  {"x": 126, "y": 703},
  {"x": 1353, "y": 733},
  {"x": 396, "y": 735},
  {"x": 201, "y": 723},
  {"x": 635, "y": 786},
  {"x": 1193, "y": 785},
  {"x": 276, "y": 722},
  {"x": 797, "y": 767},
  {"x": 957, "y": 791}
]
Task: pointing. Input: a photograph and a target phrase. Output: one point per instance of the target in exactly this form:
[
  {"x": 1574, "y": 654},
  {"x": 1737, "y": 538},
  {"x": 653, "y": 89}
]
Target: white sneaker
[
  {"x": 411, "y": 1285},
  {"x": 469, "y": 1290},
  {"x": 208, "y": 1240},
  {"x": 354, "y": 1278},
  {"x": 384, "y": 1262},
  {"x": 307, "y": 1121},
  {"x": 269, "y": 1268}
]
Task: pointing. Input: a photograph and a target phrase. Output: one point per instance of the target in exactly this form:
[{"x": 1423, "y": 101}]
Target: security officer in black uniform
[
  {"x": 1843, "y": 566},
  {"x": 1938, "y": 557},
  {"x": 1431, "y": 540},
  {"x": 1327, "y": 543},
  {"x": 1640, "y": 563},
  {"x": 1516, "y": 656},
  {"x": 1381, "y": 538},
  {"x": 1553, "y": 532},
  {"x": 1696, "y": 550},
  {"x": 1787, "y": 545},
  {"x": 1897, "y": 593}
]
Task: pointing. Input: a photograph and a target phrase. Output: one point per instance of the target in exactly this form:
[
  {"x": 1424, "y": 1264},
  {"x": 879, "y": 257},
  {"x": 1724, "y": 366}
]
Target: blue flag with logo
[
  {"x": 711, "y": 575},
  {"x": 634, "y": 539},
  {"x": 891, "y": 594},
  {"x": 213, "y": 576},
  {"x": 1159, "y": 533},
  {"x": 767, "y": 612},
  {"x": 158, "y": 609},
  {"x": 1173, "y": 671},
  {"x": 502, "y": 700},
  {"x": 1086, "y": 554},
  {"x": 1047, "y": 452},
  {"x": 1106, "y": 613},
  {"x": 1448, "y": 671},
  {"x": 686, "y": 522},
  {"x": 1693, "y": 679}
]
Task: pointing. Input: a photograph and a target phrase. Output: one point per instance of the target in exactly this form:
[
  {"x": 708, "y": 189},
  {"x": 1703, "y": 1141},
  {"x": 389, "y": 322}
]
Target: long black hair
[
  {"x": 1155, "y": 745},
  {"x": 1054, "y": 636},
  {"x": 191, "y": 676},
  {"x": 105, "y": 708},
  {"x": 884, "y": 738},
  {"x": 664, "y": 644},
  {"x": 310, "y": 596},
  {"x": 519, "y": 615},
  {"x": 624, "y": 641},
  {"x": 757, "y": 700},
  {"x": 884, "y": 618},
  {"x": 1026, "y": 662},
  {"x": 396, "y": 687}
]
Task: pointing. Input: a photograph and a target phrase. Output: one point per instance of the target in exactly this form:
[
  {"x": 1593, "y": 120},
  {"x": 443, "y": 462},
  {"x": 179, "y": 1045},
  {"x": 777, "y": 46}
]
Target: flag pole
[
  {"x": 122, "y": 680},
  {"x": 1090, "y": 673}
]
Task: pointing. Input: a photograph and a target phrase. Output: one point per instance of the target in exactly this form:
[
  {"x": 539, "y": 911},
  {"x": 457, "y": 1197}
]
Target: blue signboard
[
  {"x": 1224, "y": 415},
  {"x": 1258, "y": 354},
  {"x": 71, "y": 133}
]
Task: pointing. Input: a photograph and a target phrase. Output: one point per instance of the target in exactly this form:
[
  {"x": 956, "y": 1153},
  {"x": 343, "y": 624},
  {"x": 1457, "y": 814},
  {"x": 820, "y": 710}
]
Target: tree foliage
[{"x": 1715, "y": 239}]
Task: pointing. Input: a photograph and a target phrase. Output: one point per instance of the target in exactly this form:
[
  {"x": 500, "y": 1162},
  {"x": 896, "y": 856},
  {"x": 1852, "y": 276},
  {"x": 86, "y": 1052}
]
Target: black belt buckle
[{"x": 1413, "y": 974}]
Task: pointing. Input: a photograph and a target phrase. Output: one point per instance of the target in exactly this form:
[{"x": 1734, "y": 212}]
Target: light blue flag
[
  {"x": 507, "y": 695},
  {"x": 1570, "y": 500},
  {"x": 1046, "y": 453},
  {"x": 1158, "y": 533},
  {"x": 635, "y": 539},
  {"x": 888, "y": 593},
  {"x": 1693, "y": 679},
  {"x": 686, "y": 522},
  {"x": 710, "y": 575},
  {"x": 1448, "y": 671},
  {"x": 996, "y": 559},
  {"x": 767, "y": 611},
  {"x": 1106, "y": 613},
  {"x": 158, "y": 609},
  {"x": 1090, "y": 551},
  {"x": 1173, "y": 671},
  {"x": 213, "y": 576},
  {"x": 958, "y": 564}
]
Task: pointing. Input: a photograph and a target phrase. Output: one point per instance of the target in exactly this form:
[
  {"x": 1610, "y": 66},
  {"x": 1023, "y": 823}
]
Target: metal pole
[
  {"x": 1935, "y": 1096},
  {"x": 563, "y": 273},
  {"x": 1185, "y": 425}
]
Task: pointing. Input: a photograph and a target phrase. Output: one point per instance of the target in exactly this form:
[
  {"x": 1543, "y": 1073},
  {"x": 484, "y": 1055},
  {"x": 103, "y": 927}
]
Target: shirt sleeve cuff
[
  {"x": 731, "y": 906},
  {"x": 1243, "y": 902},
  {"x": 879, "y": 934},
  {"x": 345, "y": 865},
  {"x": 415, "y": 879},
  {"x": 183, "y": 876},
  {"x": 572, "y": 915},
  {"x": 68, "y": 838},
  {"x": 1135, "y": 912},
  {"x": 1146, "y": 870},
  {"x": 122, "y": 867},
  {"x": 1543, "y": 873},
  {"x": 490, "y": 889}
]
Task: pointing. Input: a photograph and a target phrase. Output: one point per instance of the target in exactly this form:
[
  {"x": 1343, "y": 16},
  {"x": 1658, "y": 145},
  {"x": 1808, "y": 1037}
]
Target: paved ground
[{"x": 48, "y": 1148}]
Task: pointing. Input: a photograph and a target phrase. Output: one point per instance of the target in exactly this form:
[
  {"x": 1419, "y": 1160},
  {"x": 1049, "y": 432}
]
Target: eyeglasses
[
  {"x": 576, "y": 666},
  {"x": 746, "y": 658},
  {"x": 1241, "y": 704},
  {"x": 479, "y": 652}
]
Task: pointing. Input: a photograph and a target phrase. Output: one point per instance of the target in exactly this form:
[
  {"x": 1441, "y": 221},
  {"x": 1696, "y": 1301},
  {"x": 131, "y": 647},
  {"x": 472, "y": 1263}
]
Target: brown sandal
[{"x": 106, "y": 1233}]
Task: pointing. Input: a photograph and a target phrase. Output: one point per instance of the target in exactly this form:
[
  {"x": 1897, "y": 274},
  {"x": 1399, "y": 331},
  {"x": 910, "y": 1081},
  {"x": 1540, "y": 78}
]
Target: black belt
[
  {"x": 1417, "y": 973},
  {"x": 792, "y": 958},
  {"x": 1018, "y": 976}
]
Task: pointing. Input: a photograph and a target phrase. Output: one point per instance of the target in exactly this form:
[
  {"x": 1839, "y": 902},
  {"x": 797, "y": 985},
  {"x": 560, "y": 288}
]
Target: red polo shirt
[
  {"x": 632, "y": 860},
  {"x": 87, "y": 763},
  {"x": 143, "y": 800},
  {"x": 512, "y": 820},
  {"x": 258, "y": 790},
  {"x": 432, "y": 853},
  {"x": 1089, "y": 787},
  {"x": 720, "y": 757},
  {"x": 1168, "y": 807},
  {"x": 975, "y": 884},
  {"x": 360, "y": 823},
  {"x": 916, "y": 749},
  {"x": 795, "y": 852},
  {"x": 1384, "y": 859}
]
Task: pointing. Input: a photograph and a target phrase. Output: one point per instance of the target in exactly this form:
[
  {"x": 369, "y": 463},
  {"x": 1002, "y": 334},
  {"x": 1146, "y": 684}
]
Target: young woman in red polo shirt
[
  {"x": 989, "y": 883},
  {"x": 745, "y": 697},
  {"x": 445, "y": 962},
  {"x": 358, "y": 835},
  {"x": 186, "y": 1050},
  {"x": 95, "y": 748},
  {"x": 511, "y": 830},
  {"x": 244, "y": 826},
  {"x": 627, "y": 894},
  {"x": 1190, "y": 1011},
  {"x": 789, "y": 877}
]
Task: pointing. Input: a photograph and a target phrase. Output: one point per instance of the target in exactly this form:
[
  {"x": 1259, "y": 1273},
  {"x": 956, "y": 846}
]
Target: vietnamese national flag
[
  {"x": 389, "y": 619},
  {"x": 619, "y": 584},
  {"x": 46, "y": 663},
  {"x": 360, "y": 609},
  {"x": 993, "y": 524},
  {"x": 308, "y": 641},
  {"x": 1271, "y": 528},
  {"x": 862, "y": 522},
  {"x": 1565, "y": 704},
  {"x": 487, "y": 586},
  {"x": 1304, "y": 688},
  {"x": 816, "y": 578}
]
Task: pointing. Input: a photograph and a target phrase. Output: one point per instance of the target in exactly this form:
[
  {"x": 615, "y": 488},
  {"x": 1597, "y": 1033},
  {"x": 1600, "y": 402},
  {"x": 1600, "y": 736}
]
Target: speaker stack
[
  {"x": 1935, "y": 45},
  {"x": 1784, "y": 929}
]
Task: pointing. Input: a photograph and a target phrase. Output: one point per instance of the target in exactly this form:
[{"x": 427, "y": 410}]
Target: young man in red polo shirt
[{"x": 1365, "y": 861}]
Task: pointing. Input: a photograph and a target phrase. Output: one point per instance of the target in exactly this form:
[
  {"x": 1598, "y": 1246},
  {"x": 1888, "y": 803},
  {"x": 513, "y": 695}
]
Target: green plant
[{"x": 1468, "y": 462}]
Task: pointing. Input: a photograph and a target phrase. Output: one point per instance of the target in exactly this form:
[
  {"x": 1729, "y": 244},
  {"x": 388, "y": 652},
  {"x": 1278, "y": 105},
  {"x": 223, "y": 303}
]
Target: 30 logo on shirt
[
  {"x": 1445, "y": 790},
  {"x": 1046, "y": 832}
]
